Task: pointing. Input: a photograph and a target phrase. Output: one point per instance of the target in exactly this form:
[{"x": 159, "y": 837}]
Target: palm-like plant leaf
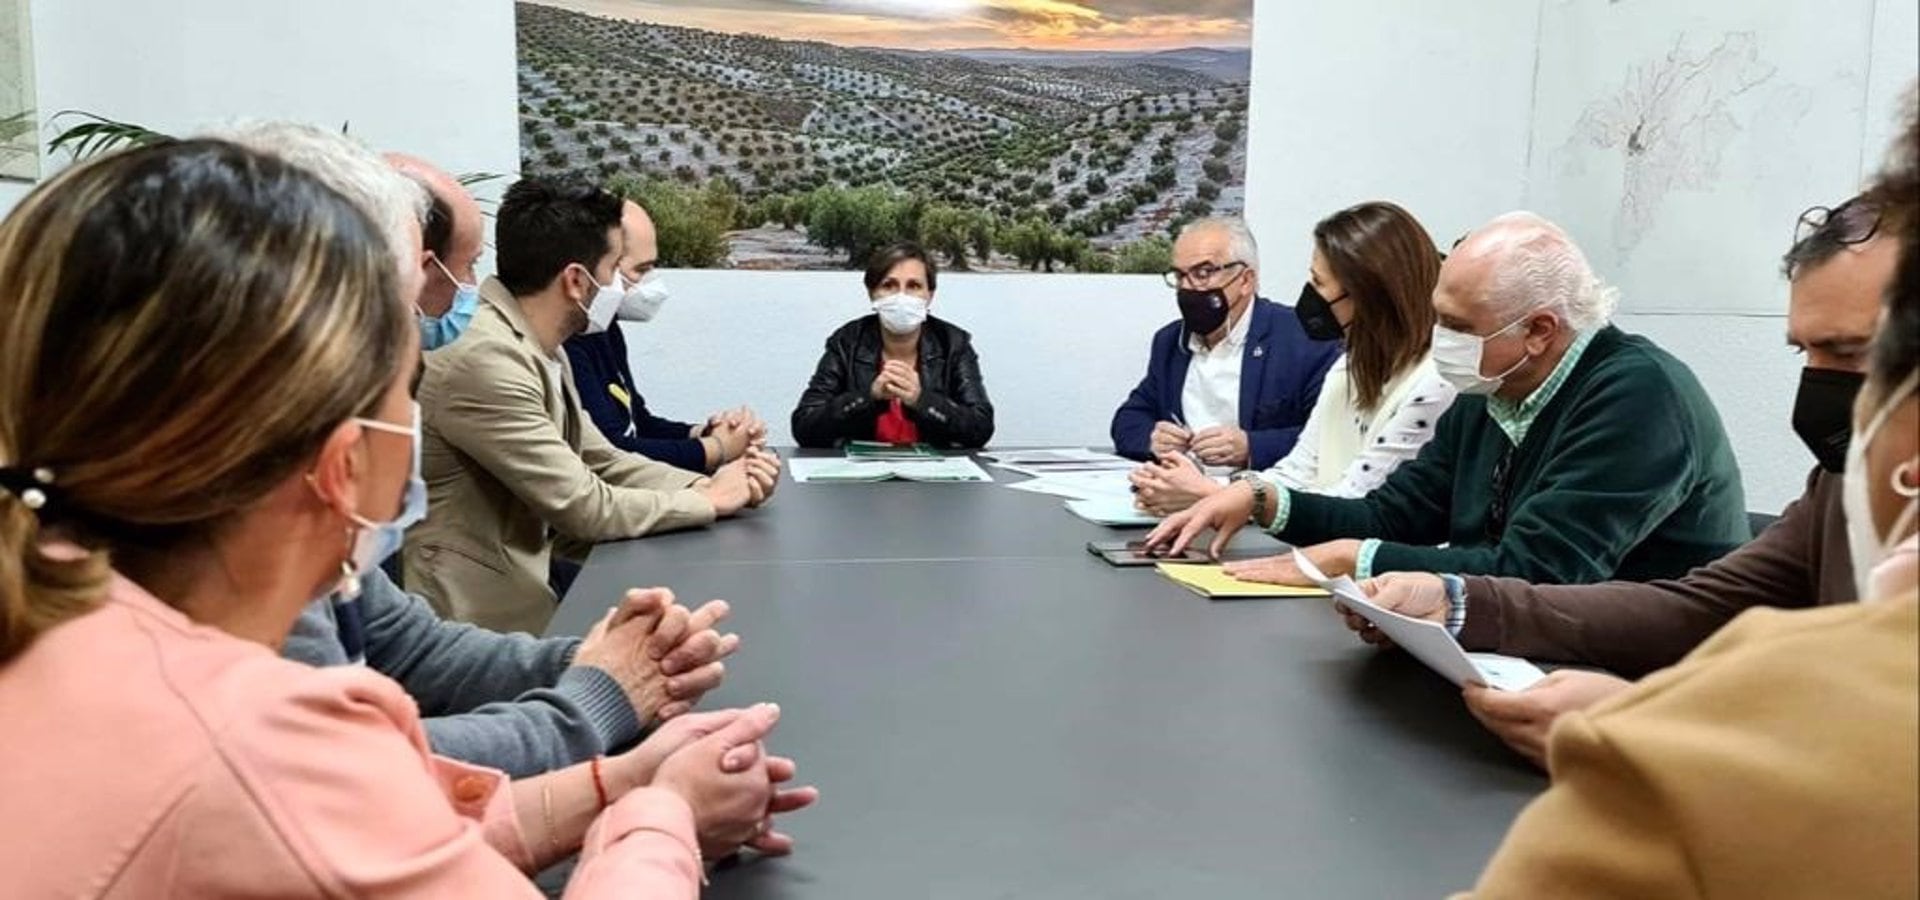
[{"x": 99, "y": 134}]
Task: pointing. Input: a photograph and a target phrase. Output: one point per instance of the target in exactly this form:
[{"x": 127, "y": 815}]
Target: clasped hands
[
  {"x": 666, "y": 658},
  {"x": 896, "y": 381}
]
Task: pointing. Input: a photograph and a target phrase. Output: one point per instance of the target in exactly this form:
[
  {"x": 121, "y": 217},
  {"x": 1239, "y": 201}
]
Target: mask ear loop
[{"x": 1904, "y": 480}]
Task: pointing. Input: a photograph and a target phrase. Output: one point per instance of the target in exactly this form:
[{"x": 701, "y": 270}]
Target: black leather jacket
[{"x": 953, "y": 410}]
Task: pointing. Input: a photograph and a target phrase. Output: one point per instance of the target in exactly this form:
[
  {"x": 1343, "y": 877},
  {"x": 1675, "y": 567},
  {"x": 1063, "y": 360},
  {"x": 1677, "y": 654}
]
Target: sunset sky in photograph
[{"x": 1130, "y": 25}]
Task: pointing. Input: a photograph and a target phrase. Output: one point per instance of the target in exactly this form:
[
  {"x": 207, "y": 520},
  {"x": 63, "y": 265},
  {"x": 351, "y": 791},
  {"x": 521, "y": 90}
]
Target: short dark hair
[
  {"x": 884, "y": 259},
  {"x": 547, "y": 224},
  {"x": 1844, "y": 224},
  {"x": 436, "y": 233},
  {"x": 1896, "y": 349}
]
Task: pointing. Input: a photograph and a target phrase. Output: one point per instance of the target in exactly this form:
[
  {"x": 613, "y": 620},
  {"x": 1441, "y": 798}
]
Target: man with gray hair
[
  {"x": 1233, "y": 381},
  {"x": 397, "y": 204},
  {"x": 1574, "y": 454},
  {"x": 516, "y": 703}
]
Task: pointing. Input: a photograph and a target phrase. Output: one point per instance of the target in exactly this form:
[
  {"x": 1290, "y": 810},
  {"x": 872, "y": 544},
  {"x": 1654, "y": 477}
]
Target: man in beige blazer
[{"x": 511, "y": 463}]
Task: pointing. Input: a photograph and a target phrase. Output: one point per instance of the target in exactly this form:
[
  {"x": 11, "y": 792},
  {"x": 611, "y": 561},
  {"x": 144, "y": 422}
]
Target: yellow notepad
[{"x": 1213, "y": 582}]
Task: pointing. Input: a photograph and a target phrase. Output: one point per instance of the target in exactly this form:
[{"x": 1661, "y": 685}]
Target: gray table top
[{"x": 990, "y": 711}]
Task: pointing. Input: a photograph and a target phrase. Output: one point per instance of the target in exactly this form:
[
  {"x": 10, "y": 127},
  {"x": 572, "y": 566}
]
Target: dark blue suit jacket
[
  {"x": 1280, "y": 379},
  {"x": 599, "y": 367}
]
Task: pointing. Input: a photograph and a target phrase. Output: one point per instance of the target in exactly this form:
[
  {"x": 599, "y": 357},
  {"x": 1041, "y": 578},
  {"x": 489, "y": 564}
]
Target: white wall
[
  {"x": 1428, "y": 104},
  {"x": 435, "y": 78}
]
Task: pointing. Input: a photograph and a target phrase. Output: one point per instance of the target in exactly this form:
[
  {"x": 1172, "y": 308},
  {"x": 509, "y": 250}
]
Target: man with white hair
[
  {"x": 1574, "y": 454},
  {"x": 1233, "y": 381},
  {"x": 511, "y": 702}
]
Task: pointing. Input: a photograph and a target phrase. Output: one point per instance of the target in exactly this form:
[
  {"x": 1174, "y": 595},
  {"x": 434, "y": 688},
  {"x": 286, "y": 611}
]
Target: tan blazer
[
  {"x": 1777, "y": 761},
  {"x": 512, "y": 463}
]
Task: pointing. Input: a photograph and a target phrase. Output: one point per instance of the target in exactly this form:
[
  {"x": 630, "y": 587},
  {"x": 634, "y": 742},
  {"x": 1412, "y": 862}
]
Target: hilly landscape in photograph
[{"x": 762, "y": 153}]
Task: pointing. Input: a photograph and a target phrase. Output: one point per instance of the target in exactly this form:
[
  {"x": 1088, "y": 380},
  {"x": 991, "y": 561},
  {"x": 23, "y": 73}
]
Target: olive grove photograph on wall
[{"x": 1005, "y": 135}]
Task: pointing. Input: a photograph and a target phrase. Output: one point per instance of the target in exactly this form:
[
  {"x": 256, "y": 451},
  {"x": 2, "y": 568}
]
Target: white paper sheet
[
  {"x": 1429, "y": 642},
  {"x": 1049, "y": 456},
  {"x": 1080, "y": 485},
  {"x": 827, "y": 470},
  {"x": 1111, "y": 511}
]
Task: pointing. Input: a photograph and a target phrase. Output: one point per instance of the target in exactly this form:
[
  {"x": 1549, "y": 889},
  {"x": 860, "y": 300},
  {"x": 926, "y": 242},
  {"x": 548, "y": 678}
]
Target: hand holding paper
[{"x": 1429, "y": 642}]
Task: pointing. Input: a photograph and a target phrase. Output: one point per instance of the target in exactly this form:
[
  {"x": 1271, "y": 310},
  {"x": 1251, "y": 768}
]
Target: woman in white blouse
[{"x": 1371, "y": 285}]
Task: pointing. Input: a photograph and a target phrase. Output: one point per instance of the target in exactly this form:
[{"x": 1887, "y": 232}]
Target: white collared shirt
[{"x": 1211, "y": 395}]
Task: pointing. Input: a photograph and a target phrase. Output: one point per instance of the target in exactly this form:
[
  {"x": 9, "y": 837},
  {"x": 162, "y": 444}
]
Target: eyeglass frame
[
  {"x": 1807, "y": 223},
  {"x": 1177, "y": 277}
]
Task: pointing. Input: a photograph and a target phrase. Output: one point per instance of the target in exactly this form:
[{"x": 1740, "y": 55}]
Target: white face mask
[
  {"x": 605, "y": 305},
  {"x": 901, "y": 314},
  {"x": 1865, "y": 547},
  {"x": 1457, "y": 356},
  {"x": 643, "y": 298}
]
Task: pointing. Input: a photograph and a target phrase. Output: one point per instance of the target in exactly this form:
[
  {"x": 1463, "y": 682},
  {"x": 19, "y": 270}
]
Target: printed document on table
[
  {"x": 817, "y": 470},
  {"x": 1080, "y": 485},
  {"x": 1429, "y": 642},
  {"x": 1064, "y": 459}
]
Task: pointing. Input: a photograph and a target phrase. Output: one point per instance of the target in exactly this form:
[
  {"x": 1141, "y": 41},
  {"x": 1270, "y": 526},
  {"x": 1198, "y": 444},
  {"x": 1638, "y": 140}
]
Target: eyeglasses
[
  {"x": 1852, "y": 222},
  {"x": 1202, "y": 274}
]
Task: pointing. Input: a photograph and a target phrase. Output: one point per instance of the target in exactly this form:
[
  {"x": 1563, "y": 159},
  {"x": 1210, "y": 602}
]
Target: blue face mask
[
  {"x": 379, "y": 540},
  {"x": 439, "y": 331},
  {"x": 374, "y": 542}
]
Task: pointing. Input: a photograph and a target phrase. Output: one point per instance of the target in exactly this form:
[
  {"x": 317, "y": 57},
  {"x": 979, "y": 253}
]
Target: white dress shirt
[{"x": 1211, "y": 394}]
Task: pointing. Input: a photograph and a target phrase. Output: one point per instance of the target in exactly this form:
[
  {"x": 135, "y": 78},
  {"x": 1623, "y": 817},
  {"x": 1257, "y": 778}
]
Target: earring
[
  {"x": 1906, "y": 479},
  {"x": 349, "y": 584}
]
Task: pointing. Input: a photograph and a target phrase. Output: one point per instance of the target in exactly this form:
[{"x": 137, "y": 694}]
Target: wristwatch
[{"x": 1259, "y": 486}]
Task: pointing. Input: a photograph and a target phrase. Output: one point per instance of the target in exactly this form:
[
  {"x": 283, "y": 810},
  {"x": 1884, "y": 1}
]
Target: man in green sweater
[{"x": 1575, "y": 453}]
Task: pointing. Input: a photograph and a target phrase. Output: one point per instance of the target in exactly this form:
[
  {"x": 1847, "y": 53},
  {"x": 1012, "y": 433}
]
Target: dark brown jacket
[{"x": 1633, "y": 628}]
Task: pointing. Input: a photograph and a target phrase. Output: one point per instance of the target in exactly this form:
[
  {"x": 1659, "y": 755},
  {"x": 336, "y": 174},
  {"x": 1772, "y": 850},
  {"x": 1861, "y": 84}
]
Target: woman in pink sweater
[{"x": 204, "y": 425}]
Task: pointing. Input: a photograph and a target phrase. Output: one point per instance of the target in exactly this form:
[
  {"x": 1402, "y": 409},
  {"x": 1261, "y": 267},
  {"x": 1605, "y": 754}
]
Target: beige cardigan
[
  {"x": 511, "y": 464},
  {"x": 1777, "y": 761}
]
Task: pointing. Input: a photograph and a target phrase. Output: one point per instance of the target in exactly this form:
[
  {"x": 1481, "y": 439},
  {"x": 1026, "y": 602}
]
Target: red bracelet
[{"x": 599, "y": 787}]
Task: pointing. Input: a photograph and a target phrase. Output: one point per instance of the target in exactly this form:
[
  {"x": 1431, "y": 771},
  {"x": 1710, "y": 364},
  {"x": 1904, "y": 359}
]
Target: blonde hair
[{"x": 181, "y": 328}]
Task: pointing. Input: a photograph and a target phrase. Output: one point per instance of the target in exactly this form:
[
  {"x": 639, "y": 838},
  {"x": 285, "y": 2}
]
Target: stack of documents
[
  {"x": 958, "y": 469},
  {"x": 1429, "y": 642},
  {"x": 1107, "y": 484},
  {"x": 1213, "y": 582},
  {"x": 1059, "y": 460}
]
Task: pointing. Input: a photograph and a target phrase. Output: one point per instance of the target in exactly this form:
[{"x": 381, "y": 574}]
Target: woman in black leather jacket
[{"x": 899, "y": 375}]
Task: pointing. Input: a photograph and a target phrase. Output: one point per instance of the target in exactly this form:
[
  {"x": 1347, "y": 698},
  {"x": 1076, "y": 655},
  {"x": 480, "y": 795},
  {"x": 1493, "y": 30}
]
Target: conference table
[{"x": 991, "y": 711}]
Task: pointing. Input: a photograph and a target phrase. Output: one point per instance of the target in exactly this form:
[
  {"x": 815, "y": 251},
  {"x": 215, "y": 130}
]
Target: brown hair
[
  {"x": 181, "y": 327},
  {"x": 881, "y": 264},
  {"x": 1388, "y": 266}
]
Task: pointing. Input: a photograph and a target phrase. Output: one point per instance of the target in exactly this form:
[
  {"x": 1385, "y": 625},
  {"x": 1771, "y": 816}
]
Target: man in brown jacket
[
  {"x": 1838, "y": 268},
  {"x": 510, "y": 461}
]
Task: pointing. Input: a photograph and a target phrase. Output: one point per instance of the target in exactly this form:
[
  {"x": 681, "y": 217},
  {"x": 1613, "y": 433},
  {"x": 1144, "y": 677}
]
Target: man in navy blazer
[{"x": 1234, "y": 379}]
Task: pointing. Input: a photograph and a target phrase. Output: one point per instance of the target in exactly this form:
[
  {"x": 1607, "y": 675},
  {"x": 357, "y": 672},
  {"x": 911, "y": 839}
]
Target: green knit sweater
[{"x": 1626, "y": 473}]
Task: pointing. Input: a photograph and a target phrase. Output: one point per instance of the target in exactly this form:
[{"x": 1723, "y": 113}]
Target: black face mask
[
  {"x": 1316, "y": 315},
  {"x": 1823, "y": 414},
  {"x": 1203, "y": 311}
]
